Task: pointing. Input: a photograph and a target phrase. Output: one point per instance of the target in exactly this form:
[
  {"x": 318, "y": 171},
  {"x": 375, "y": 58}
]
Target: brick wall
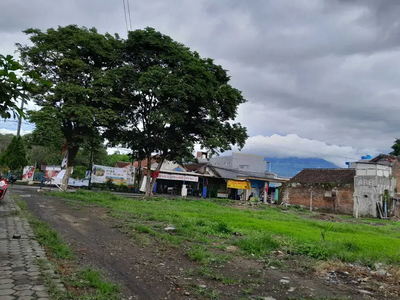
[{"x": 341, "y": 200}]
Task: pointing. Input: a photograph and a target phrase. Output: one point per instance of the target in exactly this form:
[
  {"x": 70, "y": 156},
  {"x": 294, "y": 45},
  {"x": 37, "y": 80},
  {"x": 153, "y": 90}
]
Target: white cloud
[
  {"x": 8, "y": 131},
  {"x": 292, "y": 145}
]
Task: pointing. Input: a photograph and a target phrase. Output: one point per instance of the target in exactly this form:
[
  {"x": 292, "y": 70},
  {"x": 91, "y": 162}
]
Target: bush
[
  {"x": 259, "y": 245},
  {"x": 222, "y": 227},
  {"x": 314, "y": 251}
]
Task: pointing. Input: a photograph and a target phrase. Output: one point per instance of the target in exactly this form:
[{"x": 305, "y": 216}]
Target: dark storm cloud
[{"x": 322, "y": 69}]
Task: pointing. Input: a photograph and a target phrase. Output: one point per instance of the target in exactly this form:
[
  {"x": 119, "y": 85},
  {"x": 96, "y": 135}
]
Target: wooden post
[{"x": 311, "y": 199}]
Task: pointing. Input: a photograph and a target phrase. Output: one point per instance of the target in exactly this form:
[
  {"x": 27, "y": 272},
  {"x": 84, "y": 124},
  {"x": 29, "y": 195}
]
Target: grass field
[{"x": 260, "y": 230}]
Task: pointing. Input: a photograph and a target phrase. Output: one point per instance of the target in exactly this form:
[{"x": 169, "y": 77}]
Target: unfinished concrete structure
[{"x": 373, "y": 179}]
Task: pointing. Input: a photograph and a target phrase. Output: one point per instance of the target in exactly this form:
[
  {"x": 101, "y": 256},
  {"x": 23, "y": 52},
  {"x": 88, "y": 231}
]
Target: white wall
[
  {"x": 364, "y": 169},
  {"x": 248, "y": 162}
]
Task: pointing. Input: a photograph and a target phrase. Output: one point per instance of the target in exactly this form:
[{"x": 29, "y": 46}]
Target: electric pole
[{"x": 20, "y": 119}]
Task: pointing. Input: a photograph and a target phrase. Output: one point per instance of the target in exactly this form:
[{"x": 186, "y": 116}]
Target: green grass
[
  {"x": 47, "y": 237},
  {"x": 201, "y": 255},
  {"x": 263, "y": 229},
  {"x": 92, "y": 286}
]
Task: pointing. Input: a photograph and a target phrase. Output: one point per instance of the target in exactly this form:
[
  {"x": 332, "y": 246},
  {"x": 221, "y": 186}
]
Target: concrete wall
[
  {"x": 371, "y": 169},
  {"x": 248, "y": 162},
  {"x": 396, "y": 174},
  {"x": 337, "y": 199},
  {"x": 368, "y": 190},
  {"x": 222, "y": 161}
]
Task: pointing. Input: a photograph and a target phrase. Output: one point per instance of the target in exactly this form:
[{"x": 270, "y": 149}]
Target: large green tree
[
  {"x": 76, "y": 61},
  {"x": 112, "y": 159},
  {"x": 14, "y": 156},
  {"x": 172, "y": 99}
]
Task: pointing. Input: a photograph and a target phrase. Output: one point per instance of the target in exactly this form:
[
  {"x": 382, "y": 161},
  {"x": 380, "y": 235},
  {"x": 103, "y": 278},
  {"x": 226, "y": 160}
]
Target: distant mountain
[{"x": 291, "y": 166}]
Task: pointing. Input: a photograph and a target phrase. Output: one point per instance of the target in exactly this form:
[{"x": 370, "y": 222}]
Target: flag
[
  {"x": 64, "y": 149},
  {"x": 65, "y": 160}
]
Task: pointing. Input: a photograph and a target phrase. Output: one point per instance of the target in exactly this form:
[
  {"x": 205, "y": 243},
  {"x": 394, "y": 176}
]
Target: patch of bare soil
[{"x": 154, "y": 270}]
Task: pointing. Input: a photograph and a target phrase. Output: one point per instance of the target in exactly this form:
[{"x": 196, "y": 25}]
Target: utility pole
[
  {"x": 91, "y": 166},
  {"x": 20, "y": 119}
]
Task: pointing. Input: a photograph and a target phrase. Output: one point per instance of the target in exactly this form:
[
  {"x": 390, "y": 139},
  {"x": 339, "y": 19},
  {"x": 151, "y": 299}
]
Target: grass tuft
[{"x": 258, "y": 245}]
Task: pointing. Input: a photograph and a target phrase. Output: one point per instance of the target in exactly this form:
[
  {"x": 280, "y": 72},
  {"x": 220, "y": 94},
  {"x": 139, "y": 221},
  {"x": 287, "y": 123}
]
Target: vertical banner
[
  {"x": 65, "y": 160},
  {"x": 27, "y": 173}
]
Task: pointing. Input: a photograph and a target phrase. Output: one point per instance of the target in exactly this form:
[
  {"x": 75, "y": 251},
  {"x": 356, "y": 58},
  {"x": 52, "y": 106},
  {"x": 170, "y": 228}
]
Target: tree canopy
[
  {"x": 172, "y": 99},
  {"x": 75, "y": 60},
  {"x": 14, "y": 156},
  {"x": 15, "y": 85},
  {"x": 396, "y": 148}
]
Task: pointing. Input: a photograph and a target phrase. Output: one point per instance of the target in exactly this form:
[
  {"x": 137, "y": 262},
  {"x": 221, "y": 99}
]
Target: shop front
[
  {"x": 172, "y": 183},
  {"x": 238, "y": 189}
]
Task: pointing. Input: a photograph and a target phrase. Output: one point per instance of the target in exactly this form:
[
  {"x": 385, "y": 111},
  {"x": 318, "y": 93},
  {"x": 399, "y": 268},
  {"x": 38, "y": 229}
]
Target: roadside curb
[{"x": 27, "y": 263}]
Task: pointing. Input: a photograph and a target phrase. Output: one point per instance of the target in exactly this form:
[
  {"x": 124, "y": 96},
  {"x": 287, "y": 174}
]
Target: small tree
[
  {"x": 14, "y": 156},
  {"x": 170, "y": 100},
  {"x": 75, "y": 60},
  {"x": 396, "y": 148}
]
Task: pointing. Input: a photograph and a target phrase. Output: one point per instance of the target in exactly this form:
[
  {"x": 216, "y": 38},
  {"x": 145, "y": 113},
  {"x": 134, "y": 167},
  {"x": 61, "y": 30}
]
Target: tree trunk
[
  {"x": 70, "y": 163},
  {"x": 153, "y": 180},
  {"x": 148, "y": 178},
  {"x": 64, "y": 182}
]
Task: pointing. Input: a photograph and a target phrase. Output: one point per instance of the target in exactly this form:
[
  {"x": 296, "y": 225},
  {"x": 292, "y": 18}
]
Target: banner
[
  {"x": 180, "y": 177},
  {"x": 71, "y": 182},
  {"x": 101, "y": 174},
  {"x": 65, "y": 160},
  {"x": 52, "y": 171},
  {"x": 27, "y": 173},
  {"x": 238, "y": 184}
]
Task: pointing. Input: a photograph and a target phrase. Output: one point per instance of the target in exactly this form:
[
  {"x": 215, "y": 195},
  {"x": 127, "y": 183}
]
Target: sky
[{"x": 320, "y": 76}]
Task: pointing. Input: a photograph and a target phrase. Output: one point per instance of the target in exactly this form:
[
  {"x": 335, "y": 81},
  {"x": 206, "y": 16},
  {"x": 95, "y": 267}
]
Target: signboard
[
  {"x": 180, "y": 177},
  {"x": 52, "y": 171},
  {"x": 27, "y": 173},
  {"x": 238, "y": 184},
  {"x": 101, "y": 174}
]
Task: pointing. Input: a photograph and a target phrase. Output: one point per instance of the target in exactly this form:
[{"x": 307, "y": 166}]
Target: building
[
  {"x": 374, "y": 178},
  {"x": 171, "y": 179},
  {"x": 365, "y": 189},
  {"x": 328, "y": 190},
  {"x": 211, "y": 185},
  {"x": 394, "y": 162},
  {"x": 121, "y": 164},
  {"x": 246, "y": 177}
]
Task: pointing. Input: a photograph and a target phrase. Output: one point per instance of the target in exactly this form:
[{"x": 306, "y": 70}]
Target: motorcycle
[{"x": 3, "y": 187}]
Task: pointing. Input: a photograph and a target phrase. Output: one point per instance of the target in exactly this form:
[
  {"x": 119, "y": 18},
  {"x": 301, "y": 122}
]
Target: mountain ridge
[{"x": 291, "y": 166}]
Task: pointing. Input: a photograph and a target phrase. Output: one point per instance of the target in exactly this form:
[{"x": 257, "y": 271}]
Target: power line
[
  {"x": 126, "y": 21},
  {"x": 129, "y": 14}
]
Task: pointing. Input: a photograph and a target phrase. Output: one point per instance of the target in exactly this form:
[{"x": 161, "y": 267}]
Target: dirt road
[{"x": 158, "y": 272}]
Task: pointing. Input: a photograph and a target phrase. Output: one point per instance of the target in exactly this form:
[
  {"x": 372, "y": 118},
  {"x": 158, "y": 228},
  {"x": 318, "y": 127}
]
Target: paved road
[{"x": 20, "y": 274}]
